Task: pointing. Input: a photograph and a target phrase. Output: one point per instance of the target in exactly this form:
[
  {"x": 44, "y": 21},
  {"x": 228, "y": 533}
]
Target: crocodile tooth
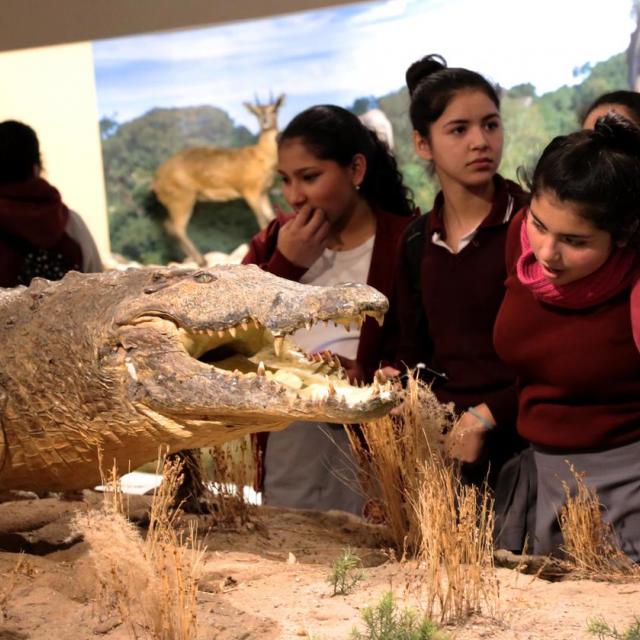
[
  {"x": 210, "y": 332},
  {"x": 221, "y": 333},
  {"x": 278, "y": 343},
  {"x": 380, "y": 377},
  {"x": 359, "y": 321},
  {"x": 347, "y": 326},
  {"x": 332, "y": 390},
  {"x": 308, "y": 324},
  {"x": 261, "y": 369},
  {"x": 256, "y": 323},
  {"x": 131, "y": 368},
  {"x": 245, "y": 325},
  {"x": 380, "y": 318},
  {"x": 233, "y": 331}
]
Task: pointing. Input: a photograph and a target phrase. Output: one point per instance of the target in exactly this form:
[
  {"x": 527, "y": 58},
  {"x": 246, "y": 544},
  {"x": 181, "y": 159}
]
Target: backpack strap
[
  {"x": 415, "y": 322},
  {"x": 414, "y": 250}
]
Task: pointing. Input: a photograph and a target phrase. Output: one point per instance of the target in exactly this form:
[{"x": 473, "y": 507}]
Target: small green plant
[
  {"x": 345, "y": 572},
  {"x": 386, "y": 622},
  {"x": 598, "y": 627}
]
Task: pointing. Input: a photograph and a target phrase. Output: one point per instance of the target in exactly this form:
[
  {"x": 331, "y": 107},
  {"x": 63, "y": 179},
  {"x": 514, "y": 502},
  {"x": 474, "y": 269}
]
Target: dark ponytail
[
  {"x": 333, "y": 133},
  {"x": 598, "y": 170},
  {"x": 432, "y": 85}
]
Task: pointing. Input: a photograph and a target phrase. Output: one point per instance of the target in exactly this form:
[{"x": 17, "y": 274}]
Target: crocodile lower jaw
[{"x": 249, "y": 350}]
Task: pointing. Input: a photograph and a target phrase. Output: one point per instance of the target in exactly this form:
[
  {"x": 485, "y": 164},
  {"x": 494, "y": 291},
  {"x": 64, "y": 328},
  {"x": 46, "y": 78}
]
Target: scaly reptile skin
[{"x": 126, "y": 362}]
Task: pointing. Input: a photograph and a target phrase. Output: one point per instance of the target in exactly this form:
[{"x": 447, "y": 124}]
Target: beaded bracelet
[{"x": 488, "y": 425}]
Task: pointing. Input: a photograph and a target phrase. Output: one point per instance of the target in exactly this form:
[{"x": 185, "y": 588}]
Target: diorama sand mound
[{"x": 267, "y": 579}]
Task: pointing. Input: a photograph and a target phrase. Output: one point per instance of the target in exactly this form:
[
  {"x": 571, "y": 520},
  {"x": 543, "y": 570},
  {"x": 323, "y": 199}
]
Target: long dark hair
[
  {"x": 628, "y": 99},
  {"x": 333, "y": 133},
  {"x": 19, "y": 152},
  {"x": 432, "y": 85},
  {"x": 599, "y": 171}
]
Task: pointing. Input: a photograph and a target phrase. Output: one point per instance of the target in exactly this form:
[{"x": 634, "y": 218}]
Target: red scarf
[{"x": 619, "y": 272}]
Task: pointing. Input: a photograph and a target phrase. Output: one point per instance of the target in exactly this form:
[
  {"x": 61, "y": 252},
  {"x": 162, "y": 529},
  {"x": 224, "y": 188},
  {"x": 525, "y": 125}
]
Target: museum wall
[{"x": 53, "y": 90}]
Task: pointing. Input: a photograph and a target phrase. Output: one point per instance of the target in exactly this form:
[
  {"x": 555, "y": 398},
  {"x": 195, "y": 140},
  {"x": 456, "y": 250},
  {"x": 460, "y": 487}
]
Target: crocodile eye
[{"x": 203, "y": 277}]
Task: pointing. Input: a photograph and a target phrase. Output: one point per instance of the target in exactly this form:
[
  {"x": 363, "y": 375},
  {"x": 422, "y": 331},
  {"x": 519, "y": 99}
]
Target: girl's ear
[
  {"x": 422, "y": 146},
  {"x": 358, "y": 169}
]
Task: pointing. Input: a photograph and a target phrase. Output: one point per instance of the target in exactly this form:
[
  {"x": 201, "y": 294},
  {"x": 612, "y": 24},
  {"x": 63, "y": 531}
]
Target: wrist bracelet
[{"x": 488, "y": 425}]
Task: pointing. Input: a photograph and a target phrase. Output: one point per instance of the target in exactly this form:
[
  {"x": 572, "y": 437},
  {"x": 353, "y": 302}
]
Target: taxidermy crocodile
[{"x": 124, "y": 362}]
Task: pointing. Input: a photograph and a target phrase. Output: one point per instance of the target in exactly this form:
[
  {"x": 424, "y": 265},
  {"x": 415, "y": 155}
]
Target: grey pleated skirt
[
  {"x": 614, "y": 474},
  {"x": 309, "y": 465}
]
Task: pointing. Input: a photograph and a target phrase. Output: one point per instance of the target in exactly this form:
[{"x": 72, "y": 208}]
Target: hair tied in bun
[
  {"x": 423, "y": 68},
  {"x": 617, "y": 132}
]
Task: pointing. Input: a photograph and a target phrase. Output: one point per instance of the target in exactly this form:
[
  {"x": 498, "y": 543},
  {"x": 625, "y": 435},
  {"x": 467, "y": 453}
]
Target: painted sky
[{"x": 339, "y": 54}]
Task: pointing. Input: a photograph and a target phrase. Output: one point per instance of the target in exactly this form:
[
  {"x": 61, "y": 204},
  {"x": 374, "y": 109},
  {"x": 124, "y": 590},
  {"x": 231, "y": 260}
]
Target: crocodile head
[
  {"x": 126, "y": 362},
  {"x": 214, "y": 345}
]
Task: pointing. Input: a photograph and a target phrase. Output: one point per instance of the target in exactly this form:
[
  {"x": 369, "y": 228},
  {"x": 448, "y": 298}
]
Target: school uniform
[
  {"x": 578, "y": 370},
  {"x": 443, "y": 313},
  {"x": 309, "y": 465}
]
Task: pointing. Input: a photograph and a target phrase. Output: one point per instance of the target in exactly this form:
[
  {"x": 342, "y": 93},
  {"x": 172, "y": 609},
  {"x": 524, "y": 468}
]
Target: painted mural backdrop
[{"x": 159, "y": 94}]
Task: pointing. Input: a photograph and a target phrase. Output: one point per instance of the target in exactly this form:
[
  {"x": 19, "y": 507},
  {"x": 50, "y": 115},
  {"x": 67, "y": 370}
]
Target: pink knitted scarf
[{"x": 621, "y": 270}]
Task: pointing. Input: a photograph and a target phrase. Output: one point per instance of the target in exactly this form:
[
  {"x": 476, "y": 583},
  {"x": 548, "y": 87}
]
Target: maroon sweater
[
  {"x": 33, "y": 240},
  {"x": 447, "y": 322},
  {"x": 578, "y": 370},
  {"x": 263, "y": 252}
]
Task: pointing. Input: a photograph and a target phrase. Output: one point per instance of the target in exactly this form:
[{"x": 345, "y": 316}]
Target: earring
[{"x": 357, "y": 186}]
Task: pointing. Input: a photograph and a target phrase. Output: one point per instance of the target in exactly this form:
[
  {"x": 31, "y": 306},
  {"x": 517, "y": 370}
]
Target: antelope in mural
[{"x": 220, "y": 174}]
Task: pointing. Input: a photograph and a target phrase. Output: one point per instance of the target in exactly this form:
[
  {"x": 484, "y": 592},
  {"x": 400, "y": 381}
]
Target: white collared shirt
[{"x": 464, "y": 241}]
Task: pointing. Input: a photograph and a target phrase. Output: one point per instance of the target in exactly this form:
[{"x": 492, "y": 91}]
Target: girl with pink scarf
[{"x": 570, "y": 325}]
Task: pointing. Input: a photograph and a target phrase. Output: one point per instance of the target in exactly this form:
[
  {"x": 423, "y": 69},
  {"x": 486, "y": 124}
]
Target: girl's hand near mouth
[{"x": 303, "y": 239}]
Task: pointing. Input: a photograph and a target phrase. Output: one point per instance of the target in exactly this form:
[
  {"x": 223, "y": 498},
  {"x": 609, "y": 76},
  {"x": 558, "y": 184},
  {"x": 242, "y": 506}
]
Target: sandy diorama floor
[{"x": 268, "y": 579}]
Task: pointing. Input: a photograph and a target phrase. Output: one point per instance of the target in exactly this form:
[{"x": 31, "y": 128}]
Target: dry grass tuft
[
  {"x": 9, "y": 579},
  {"x": 590, "y": 544},
  {"x": 455, "y": 560},
  {"x": 391, "y": 452},
  {"x": 448, "y": 527},
  {"x": 151, "y": 583},
  {"x": 229, "y": 468}
]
